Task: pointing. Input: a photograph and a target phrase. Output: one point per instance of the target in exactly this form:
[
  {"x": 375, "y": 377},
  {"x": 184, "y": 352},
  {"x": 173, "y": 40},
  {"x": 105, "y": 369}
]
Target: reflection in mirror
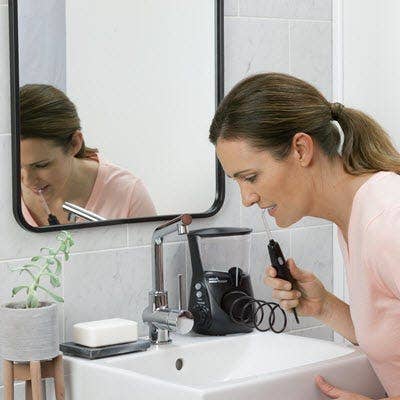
[
  {"x": 114, "y": 109},
  {"x": 57, "y": 165}
]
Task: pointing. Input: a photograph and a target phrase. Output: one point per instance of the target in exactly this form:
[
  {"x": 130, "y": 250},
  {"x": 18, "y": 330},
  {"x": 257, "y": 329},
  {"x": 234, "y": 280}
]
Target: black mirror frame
[{"x": 16, "y": 171}]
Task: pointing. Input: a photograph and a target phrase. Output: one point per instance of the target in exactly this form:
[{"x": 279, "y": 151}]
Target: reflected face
[
  {"x": 265, "y": 181},
  {"x": 44, "y": 166}
]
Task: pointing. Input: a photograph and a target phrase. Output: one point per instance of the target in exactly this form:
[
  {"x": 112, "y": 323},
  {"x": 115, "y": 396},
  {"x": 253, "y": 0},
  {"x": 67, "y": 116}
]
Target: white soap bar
[{"x": 105, "y": 332}]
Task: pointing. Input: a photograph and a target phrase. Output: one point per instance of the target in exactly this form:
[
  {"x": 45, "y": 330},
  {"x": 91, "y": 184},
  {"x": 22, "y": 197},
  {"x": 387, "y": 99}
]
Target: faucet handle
[{"x": 180, "y": 292}]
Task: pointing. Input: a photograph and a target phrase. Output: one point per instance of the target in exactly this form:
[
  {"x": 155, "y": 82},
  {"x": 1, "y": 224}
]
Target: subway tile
[
  {"x": 312, "y": 251},
  {"x": 311, "y": 54},
  {"x": 304, "y": 9},
  {"x": 252, "y": 218},
  {"x": 231, "y": 7},
  {"x": 174, "y": 264},
  {"x": 5, "y": 122},
  {"x": 310, "y": 221},
  {"x": 254, "y": 46},
  {"x": 108, "y": 284}
]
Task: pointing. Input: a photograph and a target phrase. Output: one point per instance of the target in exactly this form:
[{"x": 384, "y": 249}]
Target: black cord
[{"x": 251, "y": 312}]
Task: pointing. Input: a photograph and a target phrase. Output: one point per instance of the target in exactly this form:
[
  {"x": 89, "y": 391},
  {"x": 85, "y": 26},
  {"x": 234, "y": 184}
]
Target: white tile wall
[
  {"x": 109, "y": 272},
  {"x": 254, "y": 45},
  {"x": 287, "y": 9},
  {"x": 231, "y": 7},
  {"x": 311, "y": 53}
]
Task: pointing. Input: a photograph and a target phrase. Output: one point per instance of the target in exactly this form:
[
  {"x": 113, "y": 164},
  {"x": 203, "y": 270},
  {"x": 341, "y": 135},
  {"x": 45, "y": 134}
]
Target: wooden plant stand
[{"x": 32, "y": 373}]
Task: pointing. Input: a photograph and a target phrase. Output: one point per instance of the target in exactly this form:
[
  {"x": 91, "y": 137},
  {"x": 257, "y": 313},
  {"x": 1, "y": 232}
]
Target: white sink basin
[{"x": 237, "y": 367}]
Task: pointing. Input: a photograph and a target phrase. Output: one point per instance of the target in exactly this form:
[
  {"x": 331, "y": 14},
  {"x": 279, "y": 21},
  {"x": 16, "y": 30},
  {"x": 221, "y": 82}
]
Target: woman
[
  {"x": 57, "y": 166},
  {"x": 274, "y": 135}
]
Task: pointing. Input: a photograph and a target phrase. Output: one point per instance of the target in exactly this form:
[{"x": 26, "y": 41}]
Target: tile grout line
[{"x": 279, "y": 19}]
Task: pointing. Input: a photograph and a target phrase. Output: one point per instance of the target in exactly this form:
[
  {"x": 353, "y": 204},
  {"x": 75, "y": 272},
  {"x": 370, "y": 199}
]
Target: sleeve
[
  {"x": 382, "y": 248},
  {"x": 141, "y": 204}
]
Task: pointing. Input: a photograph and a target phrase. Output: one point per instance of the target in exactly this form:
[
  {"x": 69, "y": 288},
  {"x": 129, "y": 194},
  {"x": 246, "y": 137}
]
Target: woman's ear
[
  {"x": 303, "y": 148},
  {"x": 76, "y": 143}
]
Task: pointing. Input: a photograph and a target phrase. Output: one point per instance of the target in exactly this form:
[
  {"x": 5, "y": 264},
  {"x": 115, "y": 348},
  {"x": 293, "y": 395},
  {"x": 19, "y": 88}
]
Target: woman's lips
[
  {"x": 272, "y": 209},
  {"x": 42, "y": 189}
]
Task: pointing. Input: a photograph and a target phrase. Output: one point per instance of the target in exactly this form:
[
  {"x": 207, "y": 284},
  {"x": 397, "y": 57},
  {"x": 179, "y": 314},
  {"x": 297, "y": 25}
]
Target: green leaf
[
  {"x": 58, "y": 267},
  {"x": 62, "y": 235},
  {"x": 28, "y": 272},
  {"x": 66, "y": 256},
  {"x": 53, "y": 295},
  {"x": 50, "y": 261},
  {"x": 36, "y": 258},
  {"x": 18, "y": 288},
  {"x": 34, "y": 302},
  {"x": 55, "y": 281}
]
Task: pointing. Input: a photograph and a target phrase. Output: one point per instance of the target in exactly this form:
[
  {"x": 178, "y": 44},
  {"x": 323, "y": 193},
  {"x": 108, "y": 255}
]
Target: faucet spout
[
  {"x": 178, "y": 225},
  {"x": 160, "y": 318}
]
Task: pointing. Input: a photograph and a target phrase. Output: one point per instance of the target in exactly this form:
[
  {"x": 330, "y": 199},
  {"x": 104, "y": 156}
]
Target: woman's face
[
  {"x": 265, "y": 181},
  {"x": 44, "y": 166}
]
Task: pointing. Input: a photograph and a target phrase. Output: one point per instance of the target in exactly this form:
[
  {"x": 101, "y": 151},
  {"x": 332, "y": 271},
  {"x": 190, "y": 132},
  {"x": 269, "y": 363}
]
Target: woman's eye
[
  {"x": 42, "y": 165},
  {"x": 250, "y": 179}
]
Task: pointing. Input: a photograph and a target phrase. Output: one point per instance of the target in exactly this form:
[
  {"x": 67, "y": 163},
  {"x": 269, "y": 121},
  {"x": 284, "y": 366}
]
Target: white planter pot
[{"x": 28, "y": 334}]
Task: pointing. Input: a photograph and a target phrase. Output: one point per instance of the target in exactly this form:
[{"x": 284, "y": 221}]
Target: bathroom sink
[{"x": 235, "y": 367}]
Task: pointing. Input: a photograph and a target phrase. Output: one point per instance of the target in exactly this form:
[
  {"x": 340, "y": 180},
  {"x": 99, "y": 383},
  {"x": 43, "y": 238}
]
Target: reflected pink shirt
[
  {"x": 116, "y": 193},
  {"x": 372, "y": 262}
]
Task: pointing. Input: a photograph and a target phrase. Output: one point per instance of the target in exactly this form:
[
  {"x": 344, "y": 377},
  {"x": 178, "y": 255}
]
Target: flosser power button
[{"x": 280, "y": 261}]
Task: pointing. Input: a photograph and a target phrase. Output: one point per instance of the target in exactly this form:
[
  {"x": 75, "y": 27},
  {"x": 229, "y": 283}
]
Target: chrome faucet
[
  {"x": 160, "y": 318},
  {"x": 75, "y": 211}
]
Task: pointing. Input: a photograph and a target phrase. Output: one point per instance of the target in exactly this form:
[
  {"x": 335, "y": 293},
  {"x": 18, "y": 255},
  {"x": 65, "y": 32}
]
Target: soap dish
[{"x": 77, "y": 350}]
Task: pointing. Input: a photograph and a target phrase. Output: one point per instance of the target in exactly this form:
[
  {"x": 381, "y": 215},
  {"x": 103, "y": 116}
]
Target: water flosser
[
  {"x": 52, "y": 219},
  {"x": 278, "y": 260}
]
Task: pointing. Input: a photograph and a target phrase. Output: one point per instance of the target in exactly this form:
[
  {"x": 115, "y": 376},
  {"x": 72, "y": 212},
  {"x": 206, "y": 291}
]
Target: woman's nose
[
  {"x": 249, "y": 198},
  {"x": 28, "y": 178}
]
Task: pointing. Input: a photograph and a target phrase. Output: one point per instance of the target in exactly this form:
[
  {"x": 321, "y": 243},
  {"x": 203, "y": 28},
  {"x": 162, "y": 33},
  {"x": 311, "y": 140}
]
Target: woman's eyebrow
[{"x": 236, "y": 174}]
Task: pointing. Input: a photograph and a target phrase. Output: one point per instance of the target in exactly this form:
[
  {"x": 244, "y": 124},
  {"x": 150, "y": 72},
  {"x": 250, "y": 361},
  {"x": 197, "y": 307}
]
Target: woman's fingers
[
  {"x": 288, "y": 304},
  {"x": 285, "y": 294},
  {"x": 277, "y": 283}
]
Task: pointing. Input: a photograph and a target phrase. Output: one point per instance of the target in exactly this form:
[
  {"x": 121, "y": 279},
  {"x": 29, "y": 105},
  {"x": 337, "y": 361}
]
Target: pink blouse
[{"x": 372, "y": 262}]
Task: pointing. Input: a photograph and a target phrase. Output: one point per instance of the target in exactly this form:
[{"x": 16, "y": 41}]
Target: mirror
[{"x": 111, "y": 106}]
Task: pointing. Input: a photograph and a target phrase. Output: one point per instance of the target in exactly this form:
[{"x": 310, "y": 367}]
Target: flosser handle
[{"x": 279, "y": 263}]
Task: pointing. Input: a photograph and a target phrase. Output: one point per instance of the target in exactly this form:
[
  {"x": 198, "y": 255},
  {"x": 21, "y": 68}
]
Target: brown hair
[
  {"x": 47, "y": 113},
  {"x": 267, "y": 110}
]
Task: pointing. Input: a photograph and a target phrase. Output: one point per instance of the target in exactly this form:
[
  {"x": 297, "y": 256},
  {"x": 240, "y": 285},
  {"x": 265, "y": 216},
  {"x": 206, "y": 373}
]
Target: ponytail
[{"x": 366, "y": 146}]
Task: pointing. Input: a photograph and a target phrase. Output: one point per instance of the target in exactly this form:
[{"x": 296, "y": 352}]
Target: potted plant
[{"x": 29, "y": 329}]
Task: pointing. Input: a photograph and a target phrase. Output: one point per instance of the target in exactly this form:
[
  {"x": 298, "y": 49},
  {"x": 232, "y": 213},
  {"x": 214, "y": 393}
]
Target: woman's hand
[
  {"x": 335, "y": 393},
  {"x": 308, "y": 295}
]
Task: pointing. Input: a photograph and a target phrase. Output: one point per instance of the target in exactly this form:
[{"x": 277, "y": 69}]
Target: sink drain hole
[{"x": 179, "y": 364}]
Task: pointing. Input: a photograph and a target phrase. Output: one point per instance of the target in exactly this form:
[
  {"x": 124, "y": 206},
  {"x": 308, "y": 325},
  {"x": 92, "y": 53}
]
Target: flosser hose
[{"x": 278, "y": 260}]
